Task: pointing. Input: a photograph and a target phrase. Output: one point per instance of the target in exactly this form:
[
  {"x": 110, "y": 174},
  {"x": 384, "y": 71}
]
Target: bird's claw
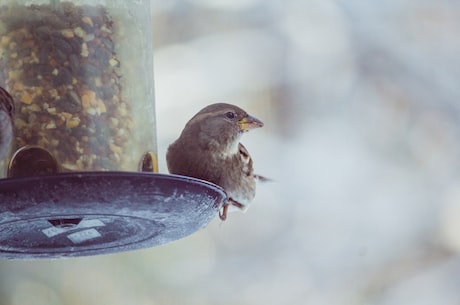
[{"x": 223, "y": 212}]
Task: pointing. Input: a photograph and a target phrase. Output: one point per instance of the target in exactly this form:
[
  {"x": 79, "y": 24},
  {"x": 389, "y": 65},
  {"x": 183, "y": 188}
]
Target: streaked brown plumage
[
  {"x": 209, "y": 149},
  {"x": 6, "y": 121}
]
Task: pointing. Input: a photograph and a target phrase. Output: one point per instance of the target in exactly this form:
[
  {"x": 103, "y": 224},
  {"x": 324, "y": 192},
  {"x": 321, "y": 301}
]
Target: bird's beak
[{"x": 249, "y": 122}]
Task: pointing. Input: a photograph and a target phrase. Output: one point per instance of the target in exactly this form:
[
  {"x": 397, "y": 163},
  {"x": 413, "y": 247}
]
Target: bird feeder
[{"x": 80, "y": 173}]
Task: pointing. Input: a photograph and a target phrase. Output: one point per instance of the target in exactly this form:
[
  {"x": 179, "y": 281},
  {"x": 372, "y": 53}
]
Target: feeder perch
[{"x": 80, "y": 161}]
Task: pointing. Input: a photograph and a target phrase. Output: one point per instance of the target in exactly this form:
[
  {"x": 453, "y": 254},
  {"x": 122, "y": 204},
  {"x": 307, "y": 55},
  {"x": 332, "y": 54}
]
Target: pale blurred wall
[{"x": 360, "y": 101}]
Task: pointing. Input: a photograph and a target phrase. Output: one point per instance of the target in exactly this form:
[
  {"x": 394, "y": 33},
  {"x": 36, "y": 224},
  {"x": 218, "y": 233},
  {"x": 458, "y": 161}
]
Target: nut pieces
[{"x": 62, "y": 70}]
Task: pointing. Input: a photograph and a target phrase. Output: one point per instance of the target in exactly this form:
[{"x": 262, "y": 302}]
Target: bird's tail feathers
[{"x": 263, "y": 179}]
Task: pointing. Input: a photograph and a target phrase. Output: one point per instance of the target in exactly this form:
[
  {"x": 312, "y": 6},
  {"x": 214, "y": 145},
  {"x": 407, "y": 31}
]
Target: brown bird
[
  {"x": 6, "y": 121},
  {"x": 209, "y": 148}
]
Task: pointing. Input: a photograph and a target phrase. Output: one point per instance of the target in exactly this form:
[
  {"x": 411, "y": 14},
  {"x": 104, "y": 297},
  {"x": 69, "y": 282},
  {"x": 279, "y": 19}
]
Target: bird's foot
[{"x": 223, "y": 212}]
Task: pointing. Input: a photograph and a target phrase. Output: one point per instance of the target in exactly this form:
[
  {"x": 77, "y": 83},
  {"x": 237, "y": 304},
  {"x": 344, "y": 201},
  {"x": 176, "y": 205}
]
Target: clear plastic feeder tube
[{"x": 81, "y": 76}]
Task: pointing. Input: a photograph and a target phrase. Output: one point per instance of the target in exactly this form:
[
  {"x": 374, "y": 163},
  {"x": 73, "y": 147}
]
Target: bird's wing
[{"x": 248, "y": 161}]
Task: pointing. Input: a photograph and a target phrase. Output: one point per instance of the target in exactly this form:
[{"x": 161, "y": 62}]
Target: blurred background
[{"x": 360, "y": 101}]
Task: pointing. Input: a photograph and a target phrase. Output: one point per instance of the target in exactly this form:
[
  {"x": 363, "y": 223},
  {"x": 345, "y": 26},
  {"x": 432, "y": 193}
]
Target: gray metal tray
[{"x": 89, "y": 213}]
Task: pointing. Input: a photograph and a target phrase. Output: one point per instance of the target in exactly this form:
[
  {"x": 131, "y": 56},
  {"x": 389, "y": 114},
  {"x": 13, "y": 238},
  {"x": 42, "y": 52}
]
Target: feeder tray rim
[{"x": 106, "y": 174}]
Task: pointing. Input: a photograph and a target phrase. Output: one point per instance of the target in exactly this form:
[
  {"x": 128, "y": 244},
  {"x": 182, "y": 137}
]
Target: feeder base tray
[{"x": 89, "y": 213}]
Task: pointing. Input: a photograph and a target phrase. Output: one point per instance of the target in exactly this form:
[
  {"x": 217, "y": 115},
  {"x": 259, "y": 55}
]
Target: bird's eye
[{"x": 230, "y": 115}]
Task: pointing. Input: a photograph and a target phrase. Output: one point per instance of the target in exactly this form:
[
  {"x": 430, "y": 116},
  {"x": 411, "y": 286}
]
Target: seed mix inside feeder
[{"x": 79, "y": 159}]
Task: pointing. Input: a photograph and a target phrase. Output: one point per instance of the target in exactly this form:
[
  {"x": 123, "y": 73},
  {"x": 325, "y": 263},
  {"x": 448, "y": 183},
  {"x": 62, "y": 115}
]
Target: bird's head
[{"x": 221, "y": 125}]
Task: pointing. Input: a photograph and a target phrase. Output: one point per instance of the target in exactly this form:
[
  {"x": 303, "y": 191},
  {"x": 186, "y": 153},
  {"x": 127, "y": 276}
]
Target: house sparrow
[
  {"x": 209, "y": 149},
  {"x": 6, "y": 121}
]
